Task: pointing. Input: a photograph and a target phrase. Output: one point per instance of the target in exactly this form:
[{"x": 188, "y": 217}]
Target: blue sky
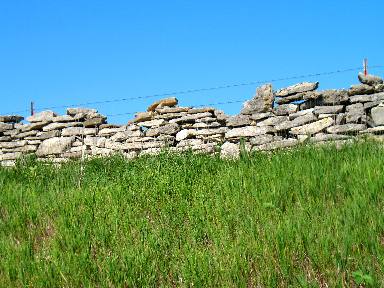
[{"x": 59, "y": 53}]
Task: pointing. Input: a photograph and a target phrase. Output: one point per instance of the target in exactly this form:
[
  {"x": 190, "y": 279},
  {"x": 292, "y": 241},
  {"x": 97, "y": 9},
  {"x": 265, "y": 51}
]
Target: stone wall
[{"x": 271, "y": 120}]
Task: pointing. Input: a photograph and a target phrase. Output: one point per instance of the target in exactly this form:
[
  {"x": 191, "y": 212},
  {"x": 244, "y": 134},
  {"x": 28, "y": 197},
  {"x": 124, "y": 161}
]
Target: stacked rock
[
  {"x": 10, "y": 147},
  {"x": 167, "y": 125},
  {"x": 49, "y": 135},
  {"x": 270, "y": 120}
]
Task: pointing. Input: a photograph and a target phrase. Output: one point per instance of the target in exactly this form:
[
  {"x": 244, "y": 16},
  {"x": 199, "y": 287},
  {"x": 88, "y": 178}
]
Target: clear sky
[{"x": 64, "y": 52}]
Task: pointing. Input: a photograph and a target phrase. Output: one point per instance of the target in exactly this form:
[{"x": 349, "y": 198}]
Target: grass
[{"x": 308, "y": 217}]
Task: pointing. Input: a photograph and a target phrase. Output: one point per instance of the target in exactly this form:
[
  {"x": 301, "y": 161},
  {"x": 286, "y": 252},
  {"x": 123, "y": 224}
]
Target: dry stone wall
[{"x": 271, "y": 120}]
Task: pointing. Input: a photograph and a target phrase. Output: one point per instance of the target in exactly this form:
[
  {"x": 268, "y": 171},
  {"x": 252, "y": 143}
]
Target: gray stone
[
  {"x": 11, "y": 133},
  {"x": 11, "y": 118},
  {"x": 220, "y": 116},
  {"x": 172, "y": 110},
  {"x": 261, "y": 102},
  {"x": 379, "y": 88},
  {"x": 371, "y": 80},
  {"x": 63, "y": 119},
  {"x": 206, "y": 125},
  {"x": 25, "y": 134},
  {"x": 85, "y": 111},
  {"x": 44, "y": 116},
  {"x": 321, "y": 137},
  {"x": 24, "y": 149},
  {"x": 377, "y": 114},
  {"x": 184, "y": 134},
  {"x": 373, "y": 130},
  {"x": 354, "y": 113},
  {"x": 340, "y": 119},
  {"x": 285, "y": 109},
  {"x": 230, "y": 151},
  {"x": 45, "y": 135},
  {"x": 166, "y": 102},
  {"x": 169, "y": 116},
  {"x": 285, "y": 143},
  {"x": 53, "y": 146},
  {"x": 5, "y": 138},
  {"x": 57, "y": 126},
  {"x": 10, "y": 156},
  {"x": 143, "y": 116},
  {"x": 369, "y": 105},
  {"x": 109, "y": 126},
  {"x": 333, "y": 97},
  {"x": 95, "y": 141},
  {"x": 328, "y": 109},
  {"x": 208, "y": 132},
  {"x": 94, "y": 122},
  {"x": 346, "y": 128},
  {"x": 248, "y": 131},
  {"x": 297, "y": 88},
  {"x": 169, "y": 129},
  {"x": 356, "y": 106},
  {"x": 110, "y": 131},
  {"x": 13, "y": 144},
  {"x": 206, "y": 120},
  {"x": 301, "y": 113},
  {"x": 35, "y": 126},
  {"x": 261, "y": 116},
  {"x": 273, "y": 121},
  {"x": 310, "y": 95},
  {"x": 321, "y": 116},
  {"x": 201, "y": 110},
  {"x": 367, "y": 98},
  {"x": 78, "y": 131},
  {"x": 5, "y": 127},
  {"x": 361, "y": 89},
  {"x": 299, "y": 121},
  {"x": 190, "y": 118},
  {"x": 124, "y": 135},
  {"x": 33, "y": 142},
  {"x": 152, "y": 123},
  {"x": 188, "y": 143},
  {"x": 261, "y": 139},
  {"x": 101, "y": 151},
  {"x": 288, "y": 99},
  {"x": 312, "y": 128},
  {"x": 238, "y": 120}
]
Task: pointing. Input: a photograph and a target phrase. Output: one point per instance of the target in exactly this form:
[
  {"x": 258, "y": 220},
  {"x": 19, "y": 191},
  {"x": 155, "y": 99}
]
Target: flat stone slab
[
  {"x": 377, "y": 114},
  {"x": 312, "y": 128},
  {"x": 248, "y": 131},
  {"x": 44, "y": 116},
  {"x": 285, "y": 109},
  {"x": 297, "y": 88},
  {"x": 373, "y": 130},
  {"x": 361, "y": 89},
  {"x": 261, "y": 102},
  {"x": 190, "y": 118},
  {"x": 11, "y": 118},
  {"x": 369, "y": 79},
  {"x": 79, "y": 110},
  {"x": 168, "y": 129},
  {"x": 5, "y": 127},
  {"x": 167, "y": 102},
  {"x": 366, "y": 98},
  {"x": 328, "y": 109},
  {"x": 54, "y": 146},
  {"x": 346, "y": 128}
]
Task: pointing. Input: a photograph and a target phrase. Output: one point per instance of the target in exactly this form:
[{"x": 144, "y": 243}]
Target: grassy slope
[{"x": 306, "y": 217}]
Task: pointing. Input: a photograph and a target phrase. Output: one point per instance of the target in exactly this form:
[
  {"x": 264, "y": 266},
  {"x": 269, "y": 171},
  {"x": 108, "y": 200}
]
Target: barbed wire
[{"x": 189, "y": 91}]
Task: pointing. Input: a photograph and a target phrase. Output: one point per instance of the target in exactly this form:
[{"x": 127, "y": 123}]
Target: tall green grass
[{"x": 308, "y": 217}]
